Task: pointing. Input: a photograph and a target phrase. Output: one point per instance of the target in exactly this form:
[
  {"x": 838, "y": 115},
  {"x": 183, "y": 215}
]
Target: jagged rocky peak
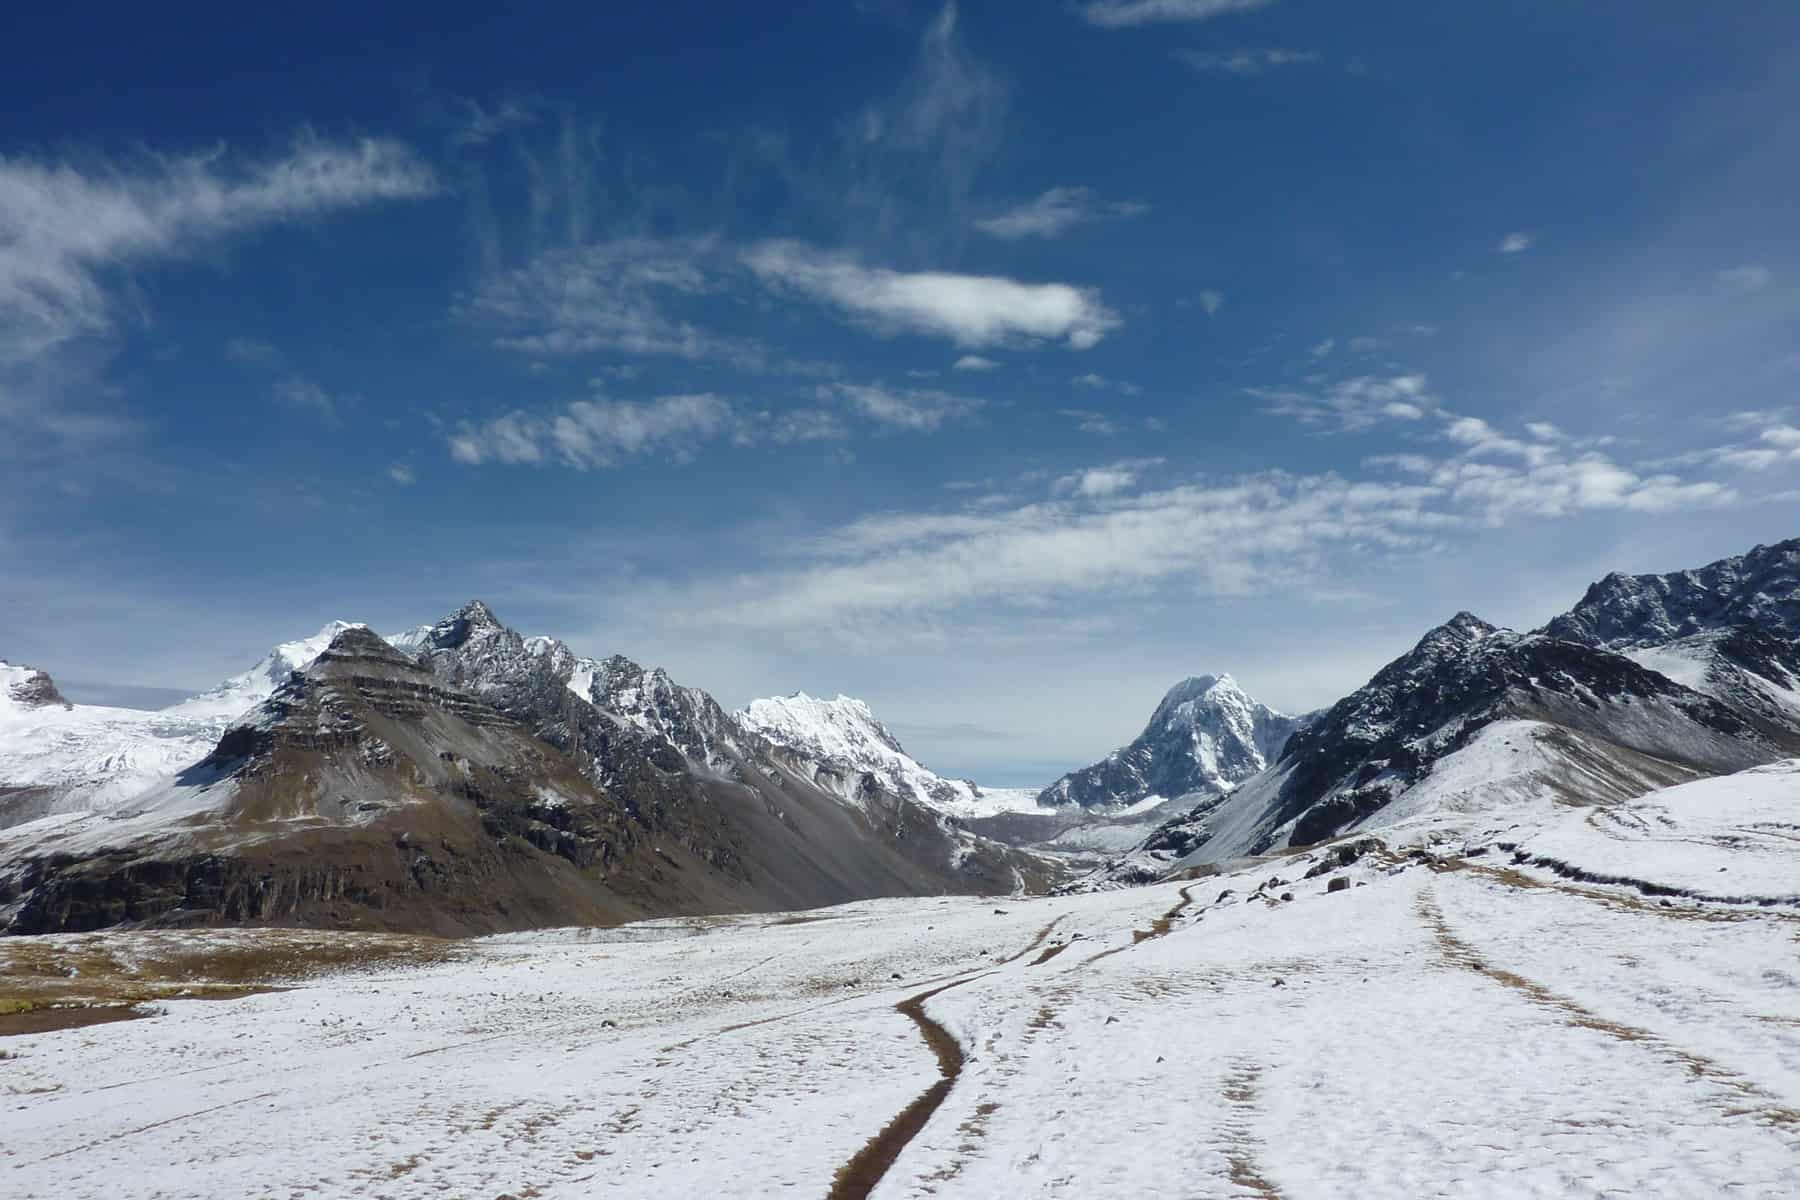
[
  {"x": 30, "y": 687},
  {"x": 473, "y": 621},
  {"x": 1206, "y": 735},
  {"x": 1632, "y": 611}
]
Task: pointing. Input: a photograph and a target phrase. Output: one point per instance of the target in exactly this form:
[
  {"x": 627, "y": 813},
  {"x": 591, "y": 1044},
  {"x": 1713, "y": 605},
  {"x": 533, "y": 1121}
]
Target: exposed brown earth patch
[{"x": 1240, "y": 1150}]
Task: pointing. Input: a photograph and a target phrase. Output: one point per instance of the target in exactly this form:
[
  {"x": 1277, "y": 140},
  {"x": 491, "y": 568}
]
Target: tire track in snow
[
  {"x": 1158, "y": 928},
  {"x": 1742, "y": 1097},
  {"x": 858, "y": 1177}
]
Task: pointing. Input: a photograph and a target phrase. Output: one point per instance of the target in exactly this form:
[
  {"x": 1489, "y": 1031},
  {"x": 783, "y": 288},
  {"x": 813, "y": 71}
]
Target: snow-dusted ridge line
[{"x": 848, "y": 749}]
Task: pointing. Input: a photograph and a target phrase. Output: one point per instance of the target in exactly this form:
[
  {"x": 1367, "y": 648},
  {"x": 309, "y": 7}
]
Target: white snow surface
[
  {"x": 88, "y": 755},
  {"x": 1446, "y": 1025},
  {"x": 843, "y": 741}
]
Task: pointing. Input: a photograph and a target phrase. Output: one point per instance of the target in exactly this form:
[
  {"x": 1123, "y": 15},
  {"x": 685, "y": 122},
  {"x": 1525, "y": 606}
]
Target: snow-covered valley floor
[{"x": 1441, "y": 1025}]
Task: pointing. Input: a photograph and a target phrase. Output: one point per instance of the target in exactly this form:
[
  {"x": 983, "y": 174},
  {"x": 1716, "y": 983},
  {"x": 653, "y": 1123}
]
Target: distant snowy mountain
[
  {"x": 244, "y": 691},
  {"x": 847, "y": 751},
  {"x": 1471, "y": 723},
  {"x": 1206, "y": 736},
  {"x": 63, "y": 758}
]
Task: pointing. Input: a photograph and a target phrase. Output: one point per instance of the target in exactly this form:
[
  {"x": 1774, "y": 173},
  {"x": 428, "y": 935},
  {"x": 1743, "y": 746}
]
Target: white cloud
[
  {"x": 1226, "y": 538},
  {"x": 402, "y": 474},
  {"x": 594, "y": 433},
  {"x": 1121, "y": 14},
  {"x": 304, "y": 396},
  {"x": 1056, "y": 212},
  {"x": 1100, "y": 482},
  {"x": 975, "y": 362},
  {"x": 1100, "y": 382},
  {"x": 1515, "y": 243},
  {"x": 1351, "y": 405},
  {"x": 611, "y": 296},
  {"x": 1784, "y": 436},
  {"x": 919, "y": 411},
  {"x": 1244, "y": 63},
  {"x": 1747, "y": 278},
  {"x": 1212, "y": 302},
  {"x": 971, "y": 310},
  {"x": 1089, "y": 421},
  {"x": 1324, "y": 348},
  {"x": 62, "y": 229}
]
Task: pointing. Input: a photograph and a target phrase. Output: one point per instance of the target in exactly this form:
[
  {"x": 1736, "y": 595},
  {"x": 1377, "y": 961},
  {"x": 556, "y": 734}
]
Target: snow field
[{"x": 1457, "y": 1026}]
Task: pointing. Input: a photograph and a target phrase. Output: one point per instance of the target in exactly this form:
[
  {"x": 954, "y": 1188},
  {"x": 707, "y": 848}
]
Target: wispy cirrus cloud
[
  {"x": 598, "y": 433},
  {"x": 1244, "y": 62},
  {"x": 304, "y": 396},
  {"x": 1055, "y": 212},
  {"x": 914, "y": 409},
  {"x": 1516, "y": 243},
  {"x": 1122, "y": 14},
  {"x": 1351, "y": 405},
  {"x": 973, "y": 311},
  {"x": 619, "y": 295},
  {"x": 64, "y": 227},
  {"x": 589, "y": 434}
]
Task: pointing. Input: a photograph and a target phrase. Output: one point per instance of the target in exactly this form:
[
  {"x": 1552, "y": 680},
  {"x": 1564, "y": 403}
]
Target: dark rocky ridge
[
  {"x": 1761, "y": 587},
  {"x": 462, "y": 793}
]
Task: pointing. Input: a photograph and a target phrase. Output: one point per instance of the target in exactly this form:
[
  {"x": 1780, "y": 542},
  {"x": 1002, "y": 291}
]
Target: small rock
[
  {"x": 895, "y": 975},
  {"x": 1287, "y": 895},
  {"x": 1112, "y": 1020},
  {"x": 1279, "y": 983},
  {"x": 1340, "y": 884}
]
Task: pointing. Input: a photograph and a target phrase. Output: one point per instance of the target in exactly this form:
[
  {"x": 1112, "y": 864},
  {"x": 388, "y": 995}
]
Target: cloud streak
[
  {"x": 1055, "y": 212},
  {"x": 1244, "y": 63},
  {"x": 63, "y": 228},
  {"x": 973, "y": 311},
  {"x": 1123, "y": 14}
]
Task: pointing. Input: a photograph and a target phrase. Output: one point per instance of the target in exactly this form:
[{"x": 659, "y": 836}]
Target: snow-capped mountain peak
[
  {"x": 848, "y": 751},
  {"x": 249, "y": 688},
  {"x": 1206, "y": 735}
]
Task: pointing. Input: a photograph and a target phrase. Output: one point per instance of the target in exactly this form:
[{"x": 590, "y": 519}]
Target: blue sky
[{"x": 998, "y": 363}]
